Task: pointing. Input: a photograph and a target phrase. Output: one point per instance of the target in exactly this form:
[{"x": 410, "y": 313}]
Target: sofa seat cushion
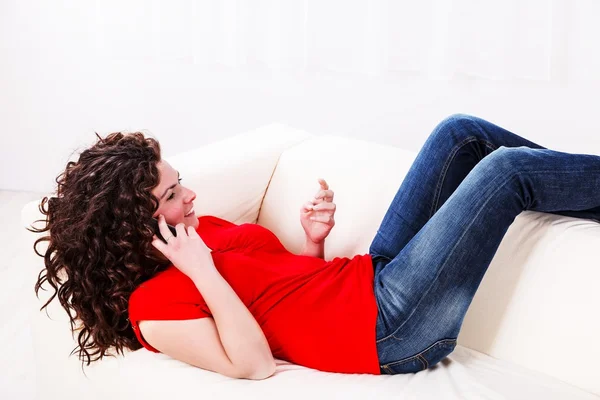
[{"x": 465, "y": 374}]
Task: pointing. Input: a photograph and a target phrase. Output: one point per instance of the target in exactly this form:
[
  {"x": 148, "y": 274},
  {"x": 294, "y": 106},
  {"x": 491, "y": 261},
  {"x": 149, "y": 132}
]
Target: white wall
[{"x": 55, "y": 91}]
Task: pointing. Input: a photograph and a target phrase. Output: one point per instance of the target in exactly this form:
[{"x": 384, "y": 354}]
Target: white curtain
[{"x": 539, "y": 40}]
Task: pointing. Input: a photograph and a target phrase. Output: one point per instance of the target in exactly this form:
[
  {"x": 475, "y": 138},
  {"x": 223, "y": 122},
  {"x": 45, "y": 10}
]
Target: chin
[{"x": 195, "y": 223}]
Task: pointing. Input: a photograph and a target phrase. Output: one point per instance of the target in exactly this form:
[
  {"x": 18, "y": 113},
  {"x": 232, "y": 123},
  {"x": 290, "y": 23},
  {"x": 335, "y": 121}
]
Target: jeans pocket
[{"x": 423, "y": 360}]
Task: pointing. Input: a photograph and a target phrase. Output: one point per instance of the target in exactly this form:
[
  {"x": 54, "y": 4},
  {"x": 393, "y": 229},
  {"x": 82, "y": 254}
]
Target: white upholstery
[{"x": 530, "y": 332}]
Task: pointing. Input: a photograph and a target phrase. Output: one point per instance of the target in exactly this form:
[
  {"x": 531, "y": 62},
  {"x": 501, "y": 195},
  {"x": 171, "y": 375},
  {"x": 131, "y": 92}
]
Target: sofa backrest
[{"x": 364, "y": 177}]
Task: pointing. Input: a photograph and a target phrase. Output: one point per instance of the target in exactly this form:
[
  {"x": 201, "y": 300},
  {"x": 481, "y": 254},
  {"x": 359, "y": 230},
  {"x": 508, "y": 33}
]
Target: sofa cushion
[{"x": 465, "y": 374}]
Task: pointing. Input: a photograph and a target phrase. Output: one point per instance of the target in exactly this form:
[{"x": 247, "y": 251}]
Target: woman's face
[{"x": 175, "y": 200}]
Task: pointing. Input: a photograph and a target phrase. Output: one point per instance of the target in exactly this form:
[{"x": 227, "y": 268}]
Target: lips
[{"x": 190, "y": 212}]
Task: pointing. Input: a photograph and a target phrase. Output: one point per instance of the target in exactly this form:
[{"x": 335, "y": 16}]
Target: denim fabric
[{"x": 465, "y": 188}]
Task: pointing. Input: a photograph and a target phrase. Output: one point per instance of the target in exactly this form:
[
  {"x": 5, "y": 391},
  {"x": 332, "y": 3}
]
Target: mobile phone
[{"x": 157, "y": 230}]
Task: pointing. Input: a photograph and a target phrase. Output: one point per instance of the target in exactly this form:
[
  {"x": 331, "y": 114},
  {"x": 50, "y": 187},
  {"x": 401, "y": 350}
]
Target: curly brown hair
[{"x": 100, "y": 239}]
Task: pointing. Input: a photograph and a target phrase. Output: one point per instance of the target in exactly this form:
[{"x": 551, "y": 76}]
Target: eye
[{"x": 173, "y": 194}]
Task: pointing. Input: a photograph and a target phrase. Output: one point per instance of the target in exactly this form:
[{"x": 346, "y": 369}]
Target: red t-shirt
[{"x": 315, "y": 313}]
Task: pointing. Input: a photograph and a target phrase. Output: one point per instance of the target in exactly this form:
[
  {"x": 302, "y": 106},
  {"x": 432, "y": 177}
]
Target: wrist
[
  {"x": 314, "y": 249},
  {"x": 308, "y": 241},
  {"x": 204, "y": 268}
]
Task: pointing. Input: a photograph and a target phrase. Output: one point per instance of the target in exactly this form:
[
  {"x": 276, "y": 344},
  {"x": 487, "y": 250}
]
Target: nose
[{"x": 193, "y": 196}]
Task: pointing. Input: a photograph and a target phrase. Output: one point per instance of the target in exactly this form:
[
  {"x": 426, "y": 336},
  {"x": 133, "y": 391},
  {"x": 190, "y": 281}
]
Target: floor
[{"x": 17, "y": 372}]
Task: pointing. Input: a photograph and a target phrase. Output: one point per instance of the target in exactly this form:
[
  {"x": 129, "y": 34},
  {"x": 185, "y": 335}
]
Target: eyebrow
[{"x": 170, "y": 187}]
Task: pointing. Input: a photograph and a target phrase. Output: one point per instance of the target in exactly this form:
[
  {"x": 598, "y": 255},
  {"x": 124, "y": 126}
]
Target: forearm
[
  {"x": 242, "y": 337},
  {"x": 313, "y": 249}
]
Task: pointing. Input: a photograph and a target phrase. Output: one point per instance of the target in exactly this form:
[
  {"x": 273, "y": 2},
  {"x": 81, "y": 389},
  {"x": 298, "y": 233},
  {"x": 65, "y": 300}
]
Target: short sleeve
[{"x": 168, "y": 303}]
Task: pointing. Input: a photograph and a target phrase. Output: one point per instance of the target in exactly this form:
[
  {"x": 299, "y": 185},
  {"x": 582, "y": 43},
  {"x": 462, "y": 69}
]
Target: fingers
[
  {"x": 322, "y": 212},
  {"x": 325, "y": 194},
  {"x": 321, "y": 206},
  {"x": 323, "y": 184},
  {"x": 326, "y": 218},
  {"x": 309, "y": 206},
  {"x": 159, "y": 244},
  {"x": 181, "y": 231},
  {"x": 166, "y": 233},
  {"x": 324, "y": 207},
  {"x": 162, "y": 227},
  {"x": 192, "y": 232}
]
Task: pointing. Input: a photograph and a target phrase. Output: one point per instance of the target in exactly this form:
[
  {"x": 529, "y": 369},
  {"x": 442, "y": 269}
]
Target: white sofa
[{"x": 532, "y": 331}]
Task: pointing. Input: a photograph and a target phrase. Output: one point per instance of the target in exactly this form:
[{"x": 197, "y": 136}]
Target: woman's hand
[
  {"x": 316, "y": 215},
  {"x": 187, "y": 251}
]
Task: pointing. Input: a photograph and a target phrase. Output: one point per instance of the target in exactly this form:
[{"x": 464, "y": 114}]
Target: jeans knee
[
  {"x": 511, "y": 154},
  {"x": 505, "y": 160},
  {"x": 457, "y": 119},
  {"x": 456, "y": 127}
]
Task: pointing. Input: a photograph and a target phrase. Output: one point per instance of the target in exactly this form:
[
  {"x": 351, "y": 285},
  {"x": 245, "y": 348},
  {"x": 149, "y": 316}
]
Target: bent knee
[
  {"x": 456, "y": 127},
  {"x": 505, "y": 160},
  {"x": 457, "y": 119}
]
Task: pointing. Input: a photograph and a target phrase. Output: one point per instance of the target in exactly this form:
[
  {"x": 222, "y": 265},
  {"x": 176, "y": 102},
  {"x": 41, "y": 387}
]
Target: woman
[{"x": 229, "y": 298}]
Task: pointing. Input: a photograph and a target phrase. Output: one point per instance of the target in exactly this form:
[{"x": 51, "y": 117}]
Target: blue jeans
[{"x": 464, "y": 189}]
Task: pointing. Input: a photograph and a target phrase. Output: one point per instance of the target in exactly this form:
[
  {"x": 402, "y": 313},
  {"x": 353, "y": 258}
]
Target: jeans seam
[
  {"x": 419, "y": 356},
  {"x": 490, "y": 145},
  {"x": 451, "y": 252},
  {"x": 408, "y": 223},
  {"x": 424, "y": 361},
  {"x": 403, "y": 361}
]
